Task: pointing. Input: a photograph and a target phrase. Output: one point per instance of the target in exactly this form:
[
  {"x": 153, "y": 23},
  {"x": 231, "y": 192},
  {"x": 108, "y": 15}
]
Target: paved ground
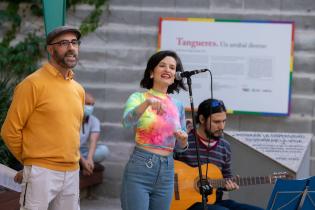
[{"x": 100, "y": 204}]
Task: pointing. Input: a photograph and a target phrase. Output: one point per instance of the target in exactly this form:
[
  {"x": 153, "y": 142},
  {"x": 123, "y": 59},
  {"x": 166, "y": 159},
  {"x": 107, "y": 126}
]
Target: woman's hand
[{"x": 156, "y": 105}]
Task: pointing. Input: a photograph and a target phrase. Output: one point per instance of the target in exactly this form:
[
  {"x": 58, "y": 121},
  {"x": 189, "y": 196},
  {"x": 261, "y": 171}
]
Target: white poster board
[
  {"x": 289, "y": 149},
  {"x": 7, "y": 178},
  {"x": 251, "y": 62}
]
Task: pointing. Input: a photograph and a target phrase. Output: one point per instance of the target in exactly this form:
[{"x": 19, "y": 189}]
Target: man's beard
[
  {"x": 61, "y": 59},
  {"x": 214, "y": 135}
]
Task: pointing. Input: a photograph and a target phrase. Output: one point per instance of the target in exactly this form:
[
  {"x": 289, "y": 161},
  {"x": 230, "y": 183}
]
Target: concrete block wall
[{"x": 113, "y": 59}]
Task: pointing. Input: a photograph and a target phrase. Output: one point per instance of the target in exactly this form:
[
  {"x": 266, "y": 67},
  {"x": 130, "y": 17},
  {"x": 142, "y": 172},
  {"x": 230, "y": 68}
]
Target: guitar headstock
[{"x": 280, "y": 175}]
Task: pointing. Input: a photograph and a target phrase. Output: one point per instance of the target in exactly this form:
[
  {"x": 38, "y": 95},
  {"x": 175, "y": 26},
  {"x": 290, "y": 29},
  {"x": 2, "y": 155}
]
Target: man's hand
[
  {"x": 18, "y": 177},
  {"x": 90, "y": 163},
  {"x": 230, "y": 185},
  {"x": 87, "y": 166},
  {"x": 189, "y": 125}
]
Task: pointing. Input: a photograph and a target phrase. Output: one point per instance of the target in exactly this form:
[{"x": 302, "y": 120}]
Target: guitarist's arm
[
  {"x": 226, "y": 167},
  {"x": 227, "y": 173}
]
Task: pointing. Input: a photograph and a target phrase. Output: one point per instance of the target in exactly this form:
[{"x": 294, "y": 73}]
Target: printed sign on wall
[{"x": 251, "y": 61}]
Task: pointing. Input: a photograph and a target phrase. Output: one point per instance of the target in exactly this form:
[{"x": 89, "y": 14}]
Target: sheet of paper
[
  {"x": 289, "y": 149},
  {"x": 7, "y": 178}
]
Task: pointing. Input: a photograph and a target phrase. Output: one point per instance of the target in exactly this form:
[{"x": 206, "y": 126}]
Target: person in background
[
  {"x": 189, "y": 125},
  {"x": 214, "y": 149},
  {"x": 89, "y": 135},
  {"x": 42, "y": 127},
  {"x": 159, "y": 124}
]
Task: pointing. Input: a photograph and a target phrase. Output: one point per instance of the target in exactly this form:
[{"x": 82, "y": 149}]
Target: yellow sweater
[{"x": 42, "y": 126}]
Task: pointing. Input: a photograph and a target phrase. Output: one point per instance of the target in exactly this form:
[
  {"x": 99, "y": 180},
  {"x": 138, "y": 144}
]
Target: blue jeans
[
  {"x": 101, "y": 152},
  {"x": 148, "y": 181},
  {"x": 226, "y": 205}
]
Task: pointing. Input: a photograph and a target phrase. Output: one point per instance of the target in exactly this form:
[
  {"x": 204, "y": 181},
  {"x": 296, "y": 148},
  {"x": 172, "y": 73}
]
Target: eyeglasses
[
  {"x": 66, "y": 43},
  {"x": 216, "y": 103}
]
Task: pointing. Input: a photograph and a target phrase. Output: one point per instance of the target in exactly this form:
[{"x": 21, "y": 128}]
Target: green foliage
[
  {"x": 16, "y": 62},
  {"x": 21, "y": 59},
  {"x": 90, "y": 23},
  {"x": 97, "y": 3},
  {"x": 5, "y": 93},
  {"x": 11, "y": 15}
]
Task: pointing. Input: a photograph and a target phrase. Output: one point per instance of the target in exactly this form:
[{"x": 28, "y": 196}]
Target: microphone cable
[{"x": 209, "y": 140}]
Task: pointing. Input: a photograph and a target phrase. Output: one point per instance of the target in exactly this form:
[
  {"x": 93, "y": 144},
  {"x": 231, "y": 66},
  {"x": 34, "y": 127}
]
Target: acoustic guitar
[{"x": 186, "y": 183}]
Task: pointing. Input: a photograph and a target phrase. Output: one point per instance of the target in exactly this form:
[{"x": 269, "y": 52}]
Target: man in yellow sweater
[{"x": 42, "y": 127}]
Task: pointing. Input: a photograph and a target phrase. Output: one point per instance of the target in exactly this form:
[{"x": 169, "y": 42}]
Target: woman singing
[{"x": 159, "y": 124}]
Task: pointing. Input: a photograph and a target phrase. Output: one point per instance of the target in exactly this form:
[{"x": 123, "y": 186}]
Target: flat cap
[{"x": 61, "y": 30}]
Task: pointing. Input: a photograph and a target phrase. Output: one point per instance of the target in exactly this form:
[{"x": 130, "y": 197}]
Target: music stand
[
  {"x": 287, "y": 194},
  {"x": 309, "y": 199}
]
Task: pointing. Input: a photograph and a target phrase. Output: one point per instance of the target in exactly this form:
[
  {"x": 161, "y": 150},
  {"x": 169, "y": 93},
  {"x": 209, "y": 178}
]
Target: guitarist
[{"x": 211, "y": 119}]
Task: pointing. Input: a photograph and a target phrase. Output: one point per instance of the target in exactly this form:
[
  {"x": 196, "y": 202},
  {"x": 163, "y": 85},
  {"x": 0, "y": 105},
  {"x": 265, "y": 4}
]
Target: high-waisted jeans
[{"x": 148, "y": 181}]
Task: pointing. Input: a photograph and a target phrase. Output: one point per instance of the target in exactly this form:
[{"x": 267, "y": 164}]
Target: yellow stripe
[
  {"x": 201, "y": 19},
  {"x": 229, "y": 111}
]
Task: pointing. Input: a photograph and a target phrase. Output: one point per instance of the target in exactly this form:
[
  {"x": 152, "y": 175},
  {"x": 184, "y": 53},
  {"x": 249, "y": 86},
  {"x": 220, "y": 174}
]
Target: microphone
[{"x": 181, "y": 75}]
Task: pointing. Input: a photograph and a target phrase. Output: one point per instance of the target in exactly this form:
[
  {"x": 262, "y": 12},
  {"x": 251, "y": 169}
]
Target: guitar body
[
  {"x": 186, "y": 190},
  {"x": 186, "y": 179}
]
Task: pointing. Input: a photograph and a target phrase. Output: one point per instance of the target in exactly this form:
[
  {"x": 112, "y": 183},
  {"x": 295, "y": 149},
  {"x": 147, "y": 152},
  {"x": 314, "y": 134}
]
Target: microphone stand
[{"x": 205, "y": 189}]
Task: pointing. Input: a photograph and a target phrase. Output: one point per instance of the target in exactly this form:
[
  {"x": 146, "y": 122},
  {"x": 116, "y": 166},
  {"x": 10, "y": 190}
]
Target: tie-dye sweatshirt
[{"x": 154, "y": 130}]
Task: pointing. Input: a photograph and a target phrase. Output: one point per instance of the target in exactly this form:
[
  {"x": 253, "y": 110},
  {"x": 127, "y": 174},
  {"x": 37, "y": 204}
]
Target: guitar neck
[{"x": 242, "y": 181}]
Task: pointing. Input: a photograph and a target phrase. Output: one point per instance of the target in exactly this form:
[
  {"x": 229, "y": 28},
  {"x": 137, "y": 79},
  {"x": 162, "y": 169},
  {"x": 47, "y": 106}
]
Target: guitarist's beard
[{"x": 214, "y": 135}]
